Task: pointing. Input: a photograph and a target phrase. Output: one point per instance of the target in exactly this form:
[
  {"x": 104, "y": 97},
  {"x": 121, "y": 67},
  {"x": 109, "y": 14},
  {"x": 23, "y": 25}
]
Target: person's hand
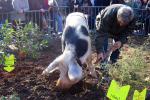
[
  {"x": 100, "y": 57},
  {"x": 21, "y": 11},
  {"x": 76, "y": 6},
  {"x": 116, "y": 46},
  {"x": 42, "y": 10}
]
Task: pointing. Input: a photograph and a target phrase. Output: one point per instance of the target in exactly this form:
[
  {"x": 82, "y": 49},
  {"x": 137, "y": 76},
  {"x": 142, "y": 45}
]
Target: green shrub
[
  {"x": 29, "y": 39},
  {"x": 11, "y": 97},
  {"x": 130, "y": 69},
  {"x": 26, "y": 39},
  {"x": 6, "y": 34}
]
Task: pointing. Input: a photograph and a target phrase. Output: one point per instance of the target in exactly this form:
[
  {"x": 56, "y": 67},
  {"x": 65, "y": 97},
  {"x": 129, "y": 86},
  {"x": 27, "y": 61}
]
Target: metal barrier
[
  {"x": 142, "y": 22},
  {"x": 54, "y": 19}
]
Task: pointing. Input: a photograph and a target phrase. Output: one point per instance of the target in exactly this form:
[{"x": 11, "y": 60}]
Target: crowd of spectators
[{"x": 38, "y": 10}]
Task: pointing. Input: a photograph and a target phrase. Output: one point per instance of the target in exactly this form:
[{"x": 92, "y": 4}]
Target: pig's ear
[{"x": 74, "y": 72}]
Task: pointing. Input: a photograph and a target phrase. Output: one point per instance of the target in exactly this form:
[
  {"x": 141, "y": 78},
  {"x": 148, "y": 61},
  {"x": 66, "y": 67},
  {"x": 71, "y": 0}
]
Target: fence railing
[{"x": 54, "y": 19}]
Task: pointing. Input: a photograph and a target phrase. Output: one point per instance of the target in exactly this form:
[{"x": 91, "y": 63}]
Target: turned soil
[{"x": 26, "y": 80}]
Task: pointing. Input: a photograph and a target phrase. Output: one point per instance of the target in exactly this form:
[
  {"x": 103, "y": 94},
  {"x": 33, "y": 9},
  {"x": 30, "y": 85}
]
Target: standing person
[
  {"x": 77, "y": 5},
  {"x": 5, "y": 9},
  {"x": 147, "y": 19},
  {"x": 117, "y": 2},
  {"x": 87, "y": 9},
  {"x": 133, "y": 3},
  {"x": 20, "y": 7},
  {"x": 38, "y": 13},
  {"x": 148, "y": 4},
  {"x": 101, "y": 4},
  {"x": 92, "y": 1},
  {"x": 45, "y": 16},
  {"x": 144, "y": 17},
  {"x": 115, "y": 21},
  {"x": 136, "y": 5},
  {"x": 56, "y": 15},
  {"x": 45, "y": 4}
]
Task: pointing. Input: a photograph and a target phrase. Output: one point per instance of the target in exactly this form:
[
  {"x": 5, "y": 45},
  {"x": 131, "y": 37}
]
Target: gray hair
[{"x": 125, "y": 14}]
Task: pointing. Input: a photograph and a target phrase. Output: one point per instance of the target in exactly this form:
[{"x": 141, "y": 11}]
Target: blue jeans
[
  {"x": 57, "y": 18},
  {"x": 115, "y": 55},
  {"x": 2, "y": 22}
]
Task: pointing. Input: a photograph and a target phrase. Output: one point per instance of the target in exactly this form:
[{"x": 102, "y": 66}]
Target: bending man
[{"x": 115, "y": 21}]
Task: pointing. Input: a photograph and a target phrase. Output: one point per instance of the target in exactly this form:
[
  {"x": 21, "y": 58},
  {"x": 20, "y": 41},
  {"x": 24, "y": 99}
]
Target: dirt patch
[{"x": 27, "y": 82}]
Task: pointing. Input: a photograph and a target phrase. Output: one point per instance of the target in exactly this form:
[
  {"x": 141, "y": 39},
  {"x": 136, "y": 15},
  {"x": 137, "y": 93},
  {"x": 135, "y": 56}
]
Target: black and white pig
[{"x": 76, "y": 48}]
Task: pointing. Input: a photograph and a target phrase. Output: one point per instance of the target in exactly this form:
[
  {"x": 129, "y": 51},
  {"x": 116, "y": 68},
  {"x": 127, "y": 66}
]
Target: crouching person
[
  {"x": 76, "y": 48},
  {"x": 115, "y": 21}
]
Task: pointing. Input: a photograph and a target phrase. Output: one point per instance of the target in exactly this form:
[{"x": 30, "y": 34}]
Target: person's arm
[
  {"x": 123, "y": 38},
  {"x": 26, "y": 6},
  {"x": 16, "y": 6},
  {"x": 148, "y": 5},
  {"x": 103, "y": 25},
  {"x": 99, "y": 41},
  {"x": 51, "y": 4}
]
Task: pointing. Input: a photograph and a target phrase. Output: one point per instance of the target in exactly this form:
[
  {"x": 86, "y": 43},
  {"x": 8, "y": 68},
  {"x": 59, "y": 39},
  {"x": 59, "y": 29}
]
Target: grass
[
  {"x": 133, "y": 68},
  {"x": 11, "y": 97}
]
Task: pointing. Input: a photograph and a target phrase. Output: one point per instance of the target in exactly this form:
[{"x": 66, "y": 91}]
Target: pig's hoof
[
  {"x": 63, "y": 86},
  {"x": 44, "y": 72}
]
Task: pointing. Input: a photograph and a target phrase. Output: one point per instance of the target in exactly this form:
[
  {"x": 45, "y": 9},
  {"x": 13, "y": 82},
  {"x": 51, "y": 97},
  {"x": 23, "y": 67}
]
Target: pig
[{"x": 76, "y": 51}]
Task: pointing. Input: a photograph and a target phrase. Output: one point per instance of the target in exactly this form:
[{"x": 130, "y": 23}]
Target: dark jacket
[
  {"x": 102, "y": 2},
  {"x": 107, "y": 25},
  {"x": 117, "y": 2},
  {"x": 148, "y": 5}
]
